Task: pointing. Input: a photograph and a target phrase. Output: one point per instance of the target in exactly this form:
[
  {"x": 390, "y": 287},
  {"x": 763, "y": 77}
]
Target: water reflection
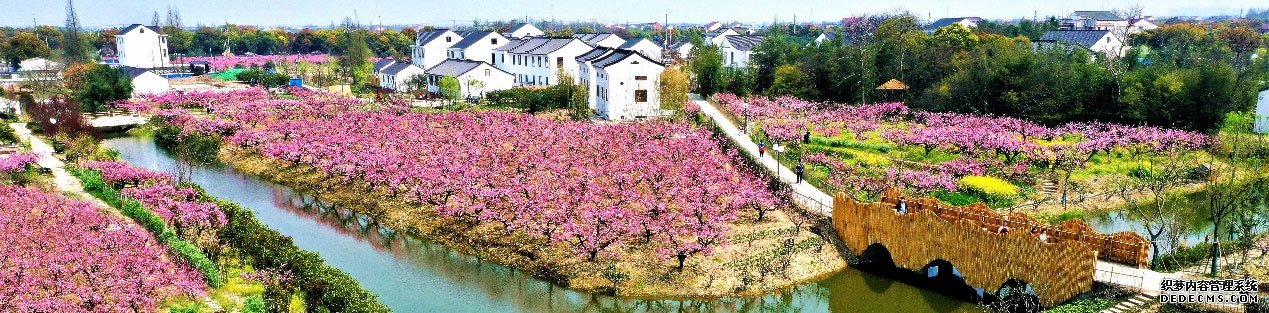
[{"x": 414, "y": 275}]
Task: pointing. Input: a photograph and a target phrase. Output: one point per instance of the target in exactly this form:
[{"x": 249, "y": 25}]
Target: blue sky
[{"x": 101, "y": 13}]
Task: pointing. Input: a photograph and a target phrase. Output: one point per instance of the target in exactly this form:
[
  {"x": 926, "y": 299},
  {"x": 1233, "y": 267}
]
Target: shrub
[
  {"x": 996, "y": 192},
  {"x": 94, "y": 184},
  {"x": 1182, "y": 257},
  {"x": 7, "y": 134},
  {"x": 325, "y": 288},
  {"x": 253, "y": 304}
]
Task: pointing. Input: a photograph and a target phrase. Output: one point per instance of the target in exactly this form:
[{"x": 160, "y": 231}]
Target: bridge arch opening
[
  {"x": 1016, "y": 295},
  {"x": 876, "y": 256},
  {"x": 943, "y": 276}
]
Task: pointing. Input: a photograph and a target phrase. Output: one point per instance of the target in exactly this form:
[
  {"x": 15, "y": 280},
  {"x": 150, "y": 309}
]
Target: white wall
[
  {"x": 398, "y": 81},
  {"x": 619, "y": 82},
  {"x": 435, "y": 51},
  {"x": 1262, "y": 113},
  {"x": 490, "y": 78},
  {"x": 149, "y": 83},
  {"x": 142, "y": 48}
]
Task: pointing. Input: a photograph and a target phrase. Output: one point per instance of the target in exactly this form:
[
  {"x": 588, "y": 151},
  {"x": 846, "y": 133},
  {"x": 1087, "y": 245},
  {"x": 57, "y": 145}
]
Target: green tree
[
  {"x": 208, "y": 41},
  {"x": 356, "y": 59},
  {"x": 450, "y": 88},
  {"x": 74, "y": 49},
  {"x": 23, "y": 46},
  {"x": 774, "y": 51},
  {"x": 791, "y": 81},
  {"x": 179, "y": 41},
  {"x": 103, "y": 85},
  {"x": 707, "y": 66}
]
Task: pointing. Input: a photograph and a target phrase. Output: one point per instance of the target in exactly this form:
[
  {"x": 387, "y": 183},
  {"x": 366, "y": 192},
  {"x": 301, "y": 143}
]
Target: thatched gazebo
[{"x": 893, "y": 89}]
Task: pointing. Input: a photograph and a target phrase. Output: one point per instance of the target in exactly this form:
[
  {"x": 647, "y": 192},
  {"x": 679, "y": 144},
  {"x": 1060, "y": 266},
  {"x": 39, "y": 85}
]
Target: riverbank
[{"x": 763, "y": 257}]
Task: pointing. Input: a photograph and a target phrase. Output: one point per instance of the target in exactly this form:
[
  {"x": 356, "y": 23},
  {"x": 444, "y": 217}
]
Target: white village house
[
  {"x": 142, "y": 47},
  {"x": 738, "y": 50},
  {"x": 524, "y": 30},
  {"x": 605, "y": 40},
  {"x": 37, "y": 64},
  {"x": 398, "y": 75},
  {"x": 432, "y": 47},
  {"x": 587, "y": 75},
  {"x": 682, "y": 49},
  {"x": 643, "y": 45},
  {"x": 477, "y": 46},
  {"x": 1100, "y": 41},
  {"x": 827, "y": 36},
  {"x": 624, "y": 84},
  {"x": 475, "y": 78},
  {"x": 145, "y": 81},
  {"x": 537, "y": 61},
  {"x": 717, "y": 37},
  {"x": 382, "y": 63},
  {"x": 1138, "y": 25},
  {"x": 968, "y": 22},
  {"x": 1094, "y": 20}
]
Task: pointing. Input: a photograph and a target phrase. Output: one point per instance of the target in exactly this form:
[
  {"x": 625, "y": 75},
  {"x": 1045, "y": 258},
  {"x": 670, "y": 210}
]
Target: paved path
[
  {"x": 61, "y": 178},
  {"x": 1144, "y": 279},
  {"x": 806, "y": 194}
]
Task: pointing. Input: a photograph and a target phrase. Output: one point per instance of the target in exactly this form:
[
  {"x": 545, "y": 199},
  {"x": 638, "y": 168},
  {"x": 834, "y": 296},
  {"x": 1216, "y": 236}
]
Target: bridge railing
[
  {"x": 1125, "y": 247},
  {"x": 813, "y": 204}
]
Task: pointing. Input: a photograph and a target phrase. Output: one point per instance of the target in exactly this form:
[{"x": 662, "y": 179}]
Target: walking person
[
  {"x": 806, "y": 137},
  {"x": 762, "y": 149},
  {"x": 799, "y": 170},
  {"x": 901, "y": 206}
]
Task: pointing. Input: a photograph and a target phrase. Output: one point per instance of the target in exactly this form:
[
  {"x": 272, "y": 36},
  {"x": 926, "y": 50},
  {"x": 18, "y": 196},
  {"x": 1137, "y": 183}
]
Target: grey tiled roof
[
  {"x": 745, "y": 42},
  {"x": 382, "y": 63},
  {"x": 943, "y": 22},
  {"x": 630, "y": 44},
  {"x": 424, "y": 38},
  {"x": 133, "y": 72},
  {"x": 679, "y": 44},
  {"x": 512, "y": 43},
  {"x": 536, "y": 45},
  {"x": 593, "y": 39},
  {"x": 134, "y": 26},
  {"x": 594, "y": 54},
  {"x": 397, "y": 68},
  {"x": 618, "y": 55},
  {"x": 1084, "y": 38},
  {"x": 455, "y": 67},
  {"x": 474, "y": 37},
  {"x": 1099, "y": 15}
]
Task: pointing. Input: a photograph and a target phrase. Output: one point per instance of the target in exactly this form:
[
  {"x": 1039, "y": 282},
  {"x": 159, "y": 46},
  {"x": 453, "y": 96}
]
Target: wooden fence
[
  {"x": 1055, "y": 271},
  {"x": 1127, "y": 248}
]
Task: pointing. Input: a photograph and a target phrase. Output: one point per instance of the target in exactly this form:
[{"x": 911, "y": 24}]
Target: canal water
[{"x": 414, "y": 275}]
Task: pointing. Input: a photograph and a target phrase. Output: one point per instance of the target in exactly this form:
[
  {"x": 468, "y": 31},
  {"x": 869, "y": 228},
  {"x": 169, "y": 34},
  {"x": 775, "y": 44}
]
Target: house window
[
  {"x": 641, "y": 96},
  {"x": 559, "y": 62},
  {"x": 493, "y": 57},
  {"x": 493, "y": 40},
  {"x": 448, "y": 39},
  {"x": 641, "y": 78},
  {"x": 487, "y": 72}
]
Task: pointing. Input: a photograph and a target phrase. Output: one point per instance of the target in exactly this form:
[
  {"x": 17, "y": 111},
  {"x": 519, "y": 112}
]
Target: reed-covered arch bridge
[{"x": 932, "y": 232}]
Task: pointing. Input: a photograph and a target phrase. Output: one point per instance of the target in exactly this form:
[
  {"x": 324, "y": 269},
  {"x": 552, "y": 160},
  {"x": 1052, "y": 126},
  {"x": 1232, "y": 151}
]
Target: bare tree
[
  {"x": 1230, "y": 191},
  {"x": 1132, "y": 11},
  {"x": 154, "y": 19},
  {"x": 1148, "y": 196},
  {"x": 174, "y": 17}
]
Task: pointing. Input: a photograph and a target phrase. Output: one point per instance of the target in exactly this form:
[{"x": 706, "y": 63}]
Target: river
[{"x": 414, "y": 275}]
